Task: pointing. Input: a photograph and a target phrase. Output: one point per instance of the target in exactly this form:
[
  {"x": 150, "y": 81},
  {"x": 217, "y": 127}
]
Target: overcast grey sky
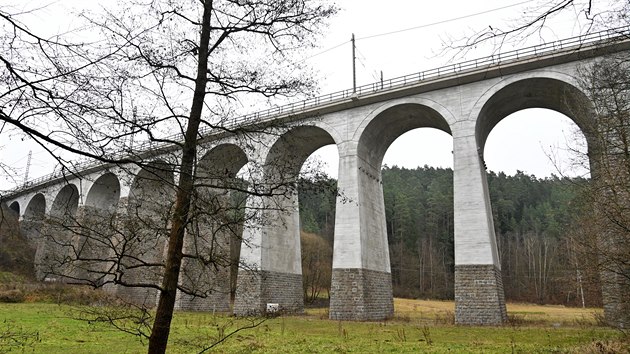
[{"x": 396, "y": 37}]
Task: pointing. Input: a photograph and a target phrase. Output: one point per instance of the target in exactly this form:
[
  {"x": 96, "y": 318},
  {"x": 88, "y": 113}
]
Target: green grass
[{"x": 419, "y": 326}]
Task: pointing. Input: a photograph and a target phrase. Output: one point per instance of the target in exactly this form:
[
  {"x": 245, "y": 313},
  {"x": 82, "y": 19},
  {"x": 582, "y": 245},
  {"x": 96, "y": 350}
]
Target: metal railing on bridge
[{"x": 573, "y": 43}]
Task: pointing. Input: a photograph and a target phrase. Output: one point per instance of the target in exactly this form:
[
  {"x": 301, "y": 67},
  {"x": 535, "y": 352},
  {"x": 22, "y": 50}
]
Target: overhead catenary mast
[
  {"x": 28, "y": 166},
  {"x": 354, "y": 67}
]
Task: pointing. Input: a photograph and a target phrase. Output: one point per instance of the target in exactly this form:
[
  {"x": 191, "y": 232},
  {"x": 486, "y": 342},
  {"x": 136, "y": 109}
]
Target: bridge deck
[{"x": 565, "y": 50}]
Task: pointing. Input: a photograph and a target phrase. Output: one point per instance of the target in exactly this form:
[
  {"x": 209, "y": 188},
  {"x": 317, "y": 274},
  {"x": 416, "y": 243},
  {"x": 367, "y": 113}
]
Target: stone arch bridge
[{"x": 465, "y": 100}]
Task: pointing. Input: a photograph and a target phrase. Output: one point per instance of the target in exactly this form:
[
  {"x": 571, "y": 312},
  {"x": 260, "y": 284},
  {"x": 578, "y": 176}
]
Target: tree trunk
[{"x": 164, "y": 313}]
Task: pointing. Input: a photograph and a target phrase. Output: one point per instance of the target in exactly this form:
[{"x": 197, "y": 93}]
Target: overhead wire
[
  {"x": 413, "y": 28},
  {"x": 442, "y": 22},
  {"x": 407, "y": 29}
]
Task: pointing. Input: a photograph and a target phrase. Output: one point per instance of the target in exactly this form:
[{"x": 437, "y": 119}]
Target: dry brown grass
[{"x": 520, "y": 314}]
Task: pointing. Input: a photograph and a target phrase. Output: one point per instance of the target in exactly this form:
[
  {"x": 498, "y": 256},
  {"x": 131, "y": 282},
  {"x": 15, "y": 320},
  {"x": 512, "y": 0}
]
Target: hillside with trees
[{"x": 533, "y": 218}]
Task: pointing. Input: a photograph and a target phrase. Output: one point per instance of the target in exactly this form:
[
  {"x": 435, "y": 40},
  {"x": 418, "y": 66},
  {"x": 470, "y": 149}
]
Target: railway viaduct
[{"x": 465, "y": 100}]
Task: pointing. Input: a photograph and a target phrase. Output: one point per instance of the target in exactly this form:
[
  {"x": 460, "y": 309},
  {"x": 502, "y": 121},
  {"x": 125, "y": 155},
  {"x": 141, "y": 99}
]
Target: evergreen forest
[{"x": 535, "y": 222}]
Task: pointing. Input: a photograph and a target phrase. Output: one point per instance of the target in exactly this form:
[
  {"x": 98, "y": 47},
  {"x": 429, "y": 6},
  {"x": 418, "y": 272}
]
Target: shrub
[{"x": 12, "y": 296}]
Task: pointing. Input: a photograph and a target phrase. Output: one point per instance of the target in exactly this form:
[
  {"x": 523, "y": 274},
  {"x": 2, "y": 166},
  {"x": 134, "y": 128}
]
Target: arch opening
[
  {"x": 393, "y": 122},
  {"x": 291, "y": 235},
  {"x": 317, "y": 194},
  {"x": 533, "y": 183},
  {"x": 15, "y": 207},
  {"x": 66, "y": 202},
  {"x": 104, "y": 193},
  {"x": 407, "y": 150},
  {"x": 95, "y": 240},
  {"x": 546, "y": 93},
  {"x": 517, "y": 143},
  {"x": 417, "y": 183},
  {"x": 36, "y": 208}
]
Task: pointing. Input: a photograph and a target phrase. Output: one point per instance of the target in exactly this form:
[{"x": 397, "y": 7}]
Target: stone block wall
[
  {"x": 361, "y": 294},
  {"x": 248, "y": 299},
  {"x": 255, "y": 289},
  {"x": 479, "y": 296}
]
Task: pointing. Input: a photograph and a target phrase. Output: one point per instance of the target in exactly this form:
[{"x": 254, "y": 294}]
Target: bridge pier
[
  {"x": 479, "y": 296},
  {"x": 361, "y": 287},
  {"x": 270, "y": 270}
]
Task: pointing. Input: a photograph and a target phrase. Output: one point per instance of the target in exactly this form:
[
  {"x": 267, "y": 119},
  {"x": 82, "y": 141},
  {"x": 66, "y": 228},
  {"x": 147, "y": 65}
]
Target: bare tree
[
  {"x": 316, "y": 265},
  {"x": 146, "y": 69},
  {"x": 607, "y": 83},
  {"x": 537, "y": 18}
]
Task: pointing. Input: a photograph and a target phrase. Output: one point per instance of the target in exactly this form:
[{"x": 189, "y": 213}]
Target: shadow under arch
[
  {"x": 542, "y": 92},
  {"x": 15, "y": 207},
  {"x": 221, "y": 162},
  {"x": 66, "y": 202},
  {"x": 104, "y": 193},
  {"x": 33, "y": 217},
  {"x": 36, "y": 207}
]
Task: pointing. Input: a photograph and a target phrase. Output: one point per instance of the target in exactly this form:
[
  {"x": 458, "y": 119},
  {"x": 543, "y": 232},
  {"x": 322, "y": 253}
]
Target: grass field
[{"x": 418, "y": 326}]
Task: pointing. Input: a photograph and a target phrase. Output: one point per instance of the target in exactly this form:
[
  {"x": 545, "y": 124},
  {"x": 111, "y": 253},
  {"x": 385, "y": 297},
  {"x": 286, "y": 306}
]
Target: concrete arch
[
  {"x": 277, "y": 251},
  {"x": 361, "y": 251},
  {"x": 287, "y": 155},
  {"x": 379, "y": 130},
  {"x": 104, "y": 193},
  {"x": 282, "y": 167},
  {"x": 330, "y": 129},
  {"x": 36, "y": 207},
  {"x": 66, "y": 202},
  {"x": 476, "y": 251},
  {"x": 550, "y": 90},
  {"x": 222, "y": 161},
  {"x": 15, "y": 206},
  {"x": 150, "y": 182}
]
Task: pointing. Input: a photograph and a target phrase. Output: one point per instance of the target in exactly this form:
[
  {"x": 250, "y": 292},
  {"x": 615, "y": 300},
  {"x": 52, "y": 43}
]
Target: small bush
[
  {"x": 445, "y": 318},
  {"x": 600, "y": 319},
  {"x": 12, "y": 296},
  {"x": 516, "y": 320},
  {"x": 10, "y": 278},
  {"x": 603, "y": 347}
]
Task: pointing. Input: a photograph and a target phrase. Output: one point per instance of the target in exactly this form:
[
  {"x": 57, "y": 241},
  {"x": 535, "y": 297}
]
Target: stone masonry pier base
[
  {"x": 361, "y": 294},
  {"x": 479, "y": 297},
  {"x": 255, "y": 289}
]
